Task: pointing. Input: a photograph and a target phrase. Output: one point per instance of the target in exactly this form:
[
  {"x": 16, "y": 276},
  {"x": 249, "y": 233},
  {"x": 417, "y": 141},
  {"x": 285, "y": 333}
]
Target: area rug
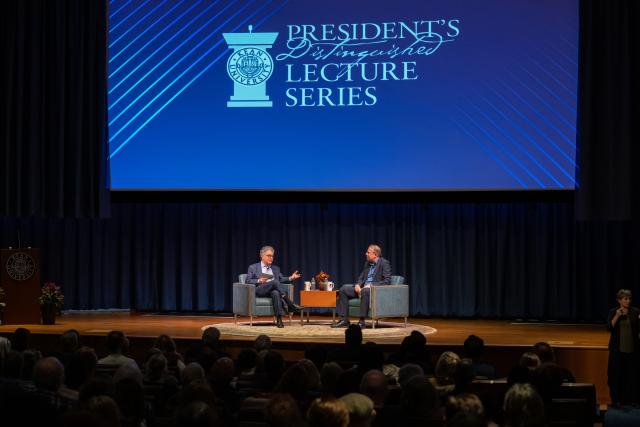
[{"x": 318, "y": 329}]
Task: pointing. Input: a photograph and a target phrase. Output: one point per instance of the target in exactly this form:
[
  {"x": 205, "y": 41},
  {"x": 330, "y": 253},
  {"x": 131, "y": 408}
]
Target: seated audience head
[
  {"x": 473, "y": 347},
  {"x": 81, "y": 367},
  {"x": 519, "y": 374},
  {"x": 105, "y": 408},
  {"x": 317, "y": 354},
  {"x": 547, "y": 380},
  {"x": 273, "y": 364},
  {"x": 544, "y": 352},
  {"x": 523, "y": 407},
  {"x": 116, "y": 342},
  {"x": 327, "y": 412},
  {"x": 156, "y": 367},
  {"x": 165, "y": 344},
  {"x": 282, "y": 411},
  {"x": 371, "y": 357},
  {"x": 193, "y": 371},
  {"x": 211, "y": 337},
  {"x": 360, "y": 408},
  {"x": 246, "y": 363},
  {"x": 222, "y": 371},
  {"x": 128, "y": 371},
  {"x": 196, "y": 414},
  {"x": 446, "y": 367},
  {"x": 48, "y": 374},
  {"x": 466, "y": 403},
  {"x": 130, "y": 399},
  {"x": 414, "y": 344},
  {"x": 374, "y": 385},
  {"x": 329, "y": 377},
  {"x": 463, "y": 376},
  {"x": 262, "y": 342},
  {"x": 419, "y": 397},
  {"x": 197, "y": 390},
  {"x": 311, "y": 373},
  {"x": 294, "y": 382},
  {"x": 20, "y": 339},
  {"x": 12, "y": 366},
  {"x": 529, "y": 360},
  {"x": 29, "y": 359},
  {"x": 409, "y": 371},
  {"x": 95, "y": 387},
  {"x": 69, "y": 341},
  {"x": 353, "y": 335}
]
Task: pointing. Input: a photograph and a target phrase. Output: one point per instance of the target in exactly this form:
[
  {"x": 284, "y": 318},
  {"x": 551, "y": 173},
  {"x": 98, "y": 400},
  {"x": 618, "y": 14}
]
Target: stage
[{"x": 580, "y": 347}]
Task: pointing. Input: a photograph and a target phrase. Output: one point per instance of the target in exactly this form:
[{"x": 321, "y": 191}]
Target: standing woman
[{"x": 624, "y": 347}]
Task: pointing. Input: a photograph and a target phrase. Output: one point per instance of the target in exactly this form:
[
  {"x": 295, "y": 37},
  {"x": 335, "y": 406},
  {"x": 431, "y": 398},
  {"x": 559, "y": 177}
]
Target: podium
[
  {"x": 250, "y": 66},
  {"x": 20, "y": 279}
]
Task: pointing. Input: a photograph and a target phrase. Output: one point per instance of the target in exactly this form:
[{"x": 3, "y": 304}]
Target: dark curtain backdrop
[
  {"x": 476, "y": 259},
  {"x": 53, "y": 145},
  {"x": 517, "y": 257},
  {"x": 607, "y": 200}
]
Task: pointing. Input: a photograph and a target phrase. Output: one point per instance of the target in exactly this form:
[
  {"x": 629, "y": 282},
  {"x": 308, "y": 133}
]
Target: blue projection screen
[{"x": 343, "y": 95}]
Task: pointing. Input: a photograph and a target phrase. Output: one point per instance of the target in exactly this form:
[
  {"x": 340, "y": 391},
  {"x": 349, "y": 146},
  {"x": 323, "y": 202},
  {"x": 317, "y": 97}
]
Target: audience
[
  {"x": 547, "y": 355},
  {"x": 328, "y": 412},
  {"x": 352, "y": 390},
  {"x": 523, "y": 407},
  {"x": 474, "y": 350},
  {"x": 444, "y": 380},
  {"x": 20, "y": 339},
  {"x": 282, "y": 411},
  {"x": 374, "y": 385},
  {"x": 117, "y": 345},
  {"x": 360, "y": 408}
]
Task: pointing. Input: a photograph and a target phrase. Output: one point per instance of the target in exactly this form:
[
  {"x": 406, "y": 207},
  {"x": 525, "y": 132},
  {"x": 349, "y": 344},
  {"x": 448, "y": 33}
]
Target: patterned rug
[{"x": 318, "y": 329}]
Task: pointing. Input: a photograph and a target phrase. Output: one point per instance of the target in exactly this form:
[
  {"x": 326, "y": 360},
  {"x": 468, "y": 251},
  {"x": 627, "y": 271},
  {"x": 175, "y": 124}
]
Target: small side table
[{"x": 318, "y": 299}]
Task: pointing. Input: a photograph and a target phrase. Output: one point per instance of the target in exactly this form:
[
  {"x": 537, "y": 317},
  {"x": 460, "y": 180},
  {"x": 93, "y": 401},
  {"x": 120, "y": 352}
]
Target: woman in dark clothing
[{"x": 624, "y": 347}]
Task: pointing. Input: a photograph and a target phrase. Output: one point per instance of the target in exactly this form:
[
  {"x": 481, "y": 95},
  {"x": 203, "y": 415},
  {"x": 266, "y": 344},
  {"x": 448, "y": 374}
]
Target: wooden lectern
[{"x": 20, "y": 278}]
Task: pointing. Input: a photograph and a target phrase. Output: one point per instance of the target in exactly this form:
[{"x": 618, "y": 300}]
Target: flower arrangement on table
[
  {"x": 51, "y": 296},
  {"x": 322, "y": 281}
]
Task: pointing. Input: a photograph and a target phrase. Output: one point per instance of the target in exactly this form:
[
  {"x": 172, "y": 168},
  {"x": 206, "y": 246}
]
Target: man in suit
[
  {"x": 266, "y": 277},
  {"x": 376, "y": 272}
]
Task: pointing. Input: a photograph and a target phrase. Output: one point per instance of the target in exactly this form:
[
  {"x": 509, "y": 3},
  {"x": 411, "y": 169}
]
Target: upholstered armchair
[
  {"x": 246, "y": 303},
  {"x": 386, "y": 301}
]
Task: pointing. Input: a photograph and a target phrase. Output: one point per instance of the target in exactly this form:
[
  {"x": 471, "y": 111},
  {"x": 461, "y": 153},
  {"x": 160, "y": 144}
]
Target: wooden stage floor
[{"x": 580, "y": 347}]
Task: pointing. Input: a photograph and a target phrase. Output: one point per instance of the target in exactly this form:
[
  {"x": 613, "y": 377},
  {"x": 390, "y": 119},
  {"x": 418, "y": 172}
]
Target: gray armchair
[
  {"x": 386, "y": 301},
  {"x": 246, "y": 303}
]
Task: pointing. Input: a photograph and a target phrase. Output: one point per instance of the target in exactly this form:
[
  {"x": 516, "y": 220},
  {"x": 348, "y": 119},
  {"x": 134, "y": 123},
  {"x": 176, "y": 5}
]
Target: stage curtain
[
  {"x": 506, "y": 260},
  {"x": 608, "y": 111},
  {"x": 608, "y": 198},
  {"x": 53, "y": 144}
]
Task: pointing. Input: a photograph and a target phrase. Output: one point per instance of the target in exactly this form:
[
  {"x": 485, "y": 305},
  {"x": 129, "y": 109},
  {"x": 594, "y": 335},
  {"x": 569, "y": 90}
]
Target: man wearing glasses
[
  {"x": 376, "y": 272},
  {"x": 266, "y": 277}
]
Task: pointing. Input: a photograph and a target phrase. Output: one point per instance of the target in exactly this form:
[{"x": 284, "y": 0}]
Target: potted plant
[{"x": 51, "y": 301}]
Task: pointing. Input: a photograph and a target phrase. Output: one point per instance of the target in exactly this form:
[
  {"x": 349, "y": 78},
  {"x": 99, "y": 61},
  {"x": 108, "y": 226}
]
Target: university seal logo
[
  {"x": 20, "y": 266},
  {"x": 250, "y": 66}
]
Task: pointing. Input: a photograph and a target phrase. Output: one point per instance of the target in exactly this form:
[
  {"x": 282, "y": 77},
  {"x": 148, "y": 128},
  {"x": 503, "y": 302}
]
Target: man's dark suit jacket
[
  {"x": 381, "y": 274},
  {"x": 255, "y": 270},
  {"x": 614, "y": 339}
]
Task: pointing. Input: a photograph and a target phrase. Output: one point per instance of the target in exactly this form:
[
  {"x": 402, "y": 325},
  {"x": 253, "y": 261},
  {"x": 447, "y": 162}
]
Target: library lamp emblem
[{"x": 250, "y": 66}]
